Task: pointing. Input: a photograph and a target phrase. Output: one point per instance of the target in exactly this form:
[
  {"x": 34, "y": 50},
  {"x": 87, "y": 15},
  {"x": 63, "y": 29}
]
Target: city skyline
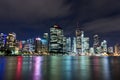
[
  {"x": 56, "y": 42},
  {"x": 41, "y": 35}
]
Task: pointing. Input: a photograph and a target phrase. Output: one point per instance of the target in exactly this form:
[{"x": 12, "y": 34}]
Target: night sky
[{"x": 31, "y": 18}]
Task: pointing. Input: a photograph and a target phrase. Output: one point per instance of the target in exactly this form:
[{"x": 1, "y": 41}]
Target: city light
[{"x": 56, "y": 43}]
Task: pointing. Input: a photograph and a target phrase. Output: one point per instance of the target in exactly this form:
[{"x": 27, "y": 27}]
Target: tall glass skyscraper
[
  {"x": 85, "y": 44},
  {"x": 56, "y": 40},
  {"x": 68, "y": 45},
  {"x": 96, "y": 44},
  {"x": 78, "y": 41},
  {"x": 38, "y": 45},
  {"x": 2, "y": 40},
  {"x": 104, "y": 46},
  {"x": 74, "y": 45},
  {"x": 11, "y": 42}
]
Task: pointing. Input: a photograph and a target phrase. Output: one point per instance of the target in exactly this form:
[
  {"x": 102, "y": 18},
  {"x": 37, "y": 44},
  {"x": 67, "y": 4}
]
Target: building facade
[{"x": 56, "y": 40}]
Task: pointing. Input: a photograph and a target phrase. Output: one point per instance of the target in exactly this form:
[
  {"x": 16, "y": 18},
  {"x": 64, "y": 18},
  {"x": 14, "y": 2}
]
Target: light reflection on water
[{"x": 59, "y": 68}]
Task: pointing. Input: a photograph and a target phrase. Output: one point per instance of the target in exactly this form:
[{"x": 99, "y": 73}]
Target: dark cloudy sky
[{"x": 31, "y": 18}]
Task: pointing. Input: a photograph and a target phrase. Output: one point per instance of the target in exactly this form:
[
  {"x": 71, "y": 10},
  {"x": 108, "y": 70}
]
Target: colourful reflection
[
  {"x": 19, "y": 68},
  {"x": 106, "y": 70},
  {"x": 96, "y": 67},
  {"x": 37, "y": 68},
  {"x": 84, "y": 68},
  {"x": 26, "y": 72},
  {"x": 68, "y": 67},
  {"x": 2, "y": 68},
  {"x": 10, "y": 72},
  {"x": 55, "y": 68}
]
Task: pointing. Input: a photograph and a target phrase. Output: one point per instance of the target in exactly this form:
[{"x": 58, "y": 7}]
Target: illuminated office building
[
  {"x": 78, "y": 41},
  {"x": 74, "y": 45},
  {"x": 20, "y": 45},
  {"x": 92, "y": 51},
  {"x": 56, "y": 40},
  {"x": 30, "y": 41},
  {"x": 45, "y": 42},
  {"x": 96, "y": 44},
  {"x": 64, "y": 44},
  {"x": 68, "y": 44},
  {"x": 98, "y": 50},
  {"x": 28, "y": 45},
  {"x": 83, "y": 42},
  {"x": 38, "y": 45},
  {"x": 104, "y": 46},
  {"x": 117, "y": 49},
  {"x": 11, "y": 42},
  {"x": 23, "y": 43},
  {"x": 2, "y": 40},
  {"x": 28, "y": 48},
  {"x": 44, "y": 45},
  {"x": 110, "y": 50},
  {"x": 85, "y": 45},
  {"x": 45, "y": 36}
]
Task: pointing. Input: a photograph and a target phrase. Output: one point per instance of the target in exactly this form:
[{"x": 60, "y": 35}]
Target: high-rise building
[
  {"x": 11, "y": 42},
  {"x": 28, "y": 45},
  {"x": 28, "y": 48},
  {"x": 78, "y": 41},
  {"x": 11, "y": 39},
  {"x": 45, "y": 42},
  {"x": 56, "y": 40},
  {"x": 110, "y": 50},
  {"x": 104, "y": 46},
  {"x": 68, "y": 45},
  {"x": 64, "y": 44},
  {"x": 85, "y": 45},
  {"x": 74, "y": 45},
  {"x": 96, "y": 44},
  {"x": 92, "y": 51},
  {"x": 44, "y": 46},
  {"x": 20, "y": 45},
  {"x": 2, "y": 40},
  {"x": 45, "y": 36},
  {"x": 117, "y": 49},
  {"x": 38, "y": 45}
]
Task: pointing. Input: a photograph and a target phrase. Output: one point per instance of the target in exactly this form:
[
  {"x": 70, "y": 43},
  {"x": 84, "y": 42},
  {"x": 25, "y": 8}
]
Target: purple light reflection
[{"x": 37, "y": 68}]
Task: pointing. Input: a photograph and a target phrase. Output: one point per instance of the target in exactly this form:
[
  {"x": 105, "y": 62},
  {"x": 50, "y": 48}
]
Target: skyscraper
[
  {"x": 91, "y": 51},
  {"x": 64, "y": 44},
  {"x": 38, "y": 45},
  {"x": 104, "y": 46},
  {"x": 45, "y": 42},
  {"x": 110, "y": 50},
  {"x": 117, "y": 49},
  {"x": 2, "y": 40},
  {"x": 74, "y": 45},
  {"x": 44, "y": 45},
  {"x": 85, "y": 45},
  {"x": 28, "y": 45},
  {"x": 11, "y": 42},
  {"x": 78, "y": 41},
  {"x": 96, "y": 44},
  {"x": 68, "y": 44},
  {"x": 82, "y": 42},
  {"x": 56, "y": 40}
]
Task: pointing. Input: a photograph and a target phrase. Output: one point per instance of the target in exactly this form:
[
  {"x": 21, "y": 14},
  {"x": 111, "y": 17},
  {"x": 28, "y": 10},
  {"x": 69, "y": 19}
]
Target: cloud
[
  {"x": 105, "y": 25},
  {"x": 33, "y": 9},
  {"x": 88, "y": 10}
]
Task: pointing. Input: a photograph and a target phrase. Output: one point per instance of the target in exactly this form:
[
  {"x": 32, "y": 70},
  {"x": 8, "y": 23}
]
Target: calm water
[{"x": 59, "y": 68}]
